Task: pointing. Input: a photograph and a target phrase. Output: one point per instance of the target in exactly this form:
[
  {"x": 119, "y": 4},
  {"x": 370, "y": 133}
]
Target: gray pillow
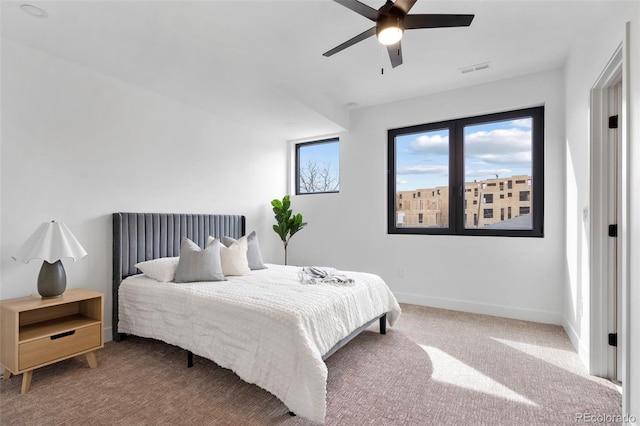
[
  {"x": 254, "y": 255},
  {"x": 196, "y": 264}
]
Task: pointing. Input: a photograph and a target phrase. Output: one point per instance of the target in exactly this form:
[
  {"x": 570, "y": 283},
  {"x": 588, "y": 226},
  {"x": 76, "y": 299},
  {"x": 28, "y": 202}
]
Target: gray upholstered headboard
[{"x": 144, "y": 236}]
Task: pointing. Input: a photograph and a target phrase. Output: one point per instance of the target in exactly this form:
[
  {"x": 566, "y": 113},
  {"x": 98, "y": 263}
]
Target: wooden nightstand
[{"x": 35, "y": 332}]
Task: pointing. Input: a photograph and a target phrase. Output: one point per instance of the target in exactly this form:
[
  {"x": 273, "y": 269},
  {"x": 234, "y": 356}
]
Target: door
[{"x": 613, "y": 197}]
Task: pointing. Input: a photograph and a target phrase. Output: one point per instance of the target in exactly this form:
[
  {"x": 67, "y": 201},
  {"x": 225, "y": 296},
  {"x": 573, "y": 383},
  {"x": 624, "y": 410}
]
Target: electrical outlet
[
  {"x": 585, "y": 214},
  {"x": 402, "y": 272},
  {"x": 580, "y": 309}
]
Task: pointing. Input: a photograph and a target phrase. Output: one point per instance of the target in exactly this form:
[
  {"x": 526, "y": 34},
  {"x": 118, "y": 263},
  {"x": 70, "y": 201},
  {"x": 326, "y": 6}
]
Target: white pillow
[
  {"x": 254, "y": 255},
  {"x": 162, "y": 269},
  {"x": 234, "y": 258}
]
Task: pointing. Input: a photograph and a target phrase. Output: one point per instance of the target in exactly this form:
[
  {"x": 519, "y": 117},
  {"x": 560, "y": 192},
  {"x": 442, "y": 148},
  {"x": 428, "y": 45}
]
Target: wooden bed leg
[
  {"x": 189, "y": 359},
  {"x": 383, "y": 324}
]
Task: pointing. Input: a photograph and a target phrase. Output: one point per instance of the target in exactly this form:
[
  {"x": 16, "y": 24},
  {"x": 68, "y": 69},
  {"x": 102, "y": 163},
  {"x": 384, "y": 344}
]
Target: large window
[
  {"x": 318, "y": 167},
  {"x": 436, "y": 168}
]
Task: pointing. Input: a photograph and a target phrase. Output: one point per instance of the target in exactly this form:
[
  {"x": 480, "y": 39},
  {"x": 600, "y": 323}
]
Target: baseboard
[
  {"x": 577, "y": 343},
  {"x": 482, "y": 308}
]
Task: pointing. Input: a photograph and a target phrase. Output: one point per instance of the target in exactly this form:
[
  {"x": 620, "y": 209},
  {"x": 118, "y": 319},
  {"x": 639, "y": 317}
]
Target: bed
[{"x": 266, "y": 326}]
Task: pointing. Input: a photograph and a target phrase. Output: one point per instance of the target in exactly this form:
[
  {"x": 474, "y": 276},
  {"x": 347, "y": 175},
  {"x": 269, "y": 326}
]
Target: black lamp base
[{"x": 52, "y": 280}]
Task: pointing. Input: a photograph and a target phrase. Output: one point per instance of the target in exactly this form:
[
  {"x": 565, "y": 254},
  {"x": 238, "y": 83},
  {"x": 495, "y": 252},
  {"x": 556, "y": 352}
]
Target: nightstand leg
[
  {"x": 7, "y": 374},
  {"x": 91, "y": 359},
  {"x": 26, "y": 381}
]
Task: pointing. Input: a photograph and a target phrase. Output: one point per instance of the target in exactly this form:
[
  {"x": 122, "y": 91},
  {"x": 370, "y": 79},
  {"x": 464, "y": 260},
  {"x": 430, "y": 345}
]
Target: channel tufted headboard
[{"x": 144, "y": 236}]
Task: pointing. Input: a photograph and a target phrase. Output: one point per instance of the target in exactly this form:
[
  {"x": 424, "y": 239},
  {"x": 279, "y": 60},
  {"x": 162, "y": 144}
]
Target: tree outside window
[{"x": 318, "y": 167}]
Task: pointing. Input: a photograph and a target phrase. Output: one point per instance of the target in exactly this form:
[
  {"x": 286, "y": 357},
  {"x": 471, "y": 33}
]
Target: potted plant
[{"x": 287, "y": 223}]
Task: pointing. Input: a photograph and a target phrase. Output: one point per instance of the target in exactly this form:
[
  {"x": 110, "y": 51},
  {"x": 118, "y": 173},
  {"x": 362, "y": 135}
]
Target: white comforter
[{"x": 267, "y": 327}]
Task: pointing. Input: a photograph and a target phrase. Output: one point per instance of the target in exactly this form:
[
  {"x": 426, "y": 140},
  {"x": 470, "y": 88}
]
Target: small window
[
  {"x": 524, "y": 210},
  {"x": 318, "y": 167},
  {"x": 488, "y": 198},
  {"x": 488, "y": 213},
  {"x": 525, "y": 196}
]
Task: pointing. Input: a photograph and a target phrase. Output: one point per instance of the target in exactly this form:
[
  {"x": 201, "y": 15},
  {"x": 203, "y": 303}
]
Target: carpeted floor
[{"x": 436, "y": 367}]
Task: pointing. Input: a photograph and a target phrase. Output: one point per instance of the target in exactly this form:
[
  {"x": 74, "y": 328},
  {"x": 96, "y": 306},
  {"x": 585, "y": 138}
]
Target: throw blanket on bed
[
  {"x": 318, "y": 274},
  {"x": 265, "y": 326}
]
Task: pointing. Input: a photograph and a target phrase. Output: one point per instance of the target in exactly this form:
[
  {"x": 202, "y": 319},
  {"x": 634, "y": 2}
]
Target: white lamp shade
[{"x": 52, "y": 241}]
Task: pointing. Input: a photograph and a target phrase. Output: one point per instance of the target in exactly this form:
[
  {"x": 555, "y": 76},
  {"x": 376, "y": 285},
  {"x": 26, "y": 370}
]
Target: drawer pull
[{"x": 65, "y": 334}]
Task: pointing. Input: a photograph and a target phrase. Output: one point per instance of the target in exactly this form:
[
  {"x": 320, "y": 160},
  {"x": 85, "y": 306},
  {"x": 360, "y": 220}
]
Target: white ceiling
[{"x": 264, "y": 58}]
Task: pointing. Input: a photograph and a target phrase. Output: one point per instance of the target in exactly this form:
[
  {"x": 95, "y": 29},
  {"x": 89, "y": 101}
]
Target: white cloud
[
  {"x": 401, "y": 182},
  {"x": 523, "y": 122},
  {"x": 422, "y": 170},
  {"x": 499, "y": 146},
  {"x": 487, "y": 173},
  {"x": 432, "y": 144}
]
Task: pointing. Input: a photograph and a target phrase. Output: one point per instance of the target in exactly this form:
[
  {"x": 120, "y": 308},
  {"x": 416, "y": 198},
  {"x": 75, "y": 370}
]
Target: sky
[
  {"x": 325, "y": 154},
  {"x": 500, "y": 148}
]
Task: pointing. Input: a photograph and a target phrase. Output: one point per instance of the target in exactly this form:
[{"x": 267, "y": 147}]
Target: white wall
[
  {"x": 513, "y": 277},
  {"x": 78, "y": 145},
  {"x": 587, "y": 59}
]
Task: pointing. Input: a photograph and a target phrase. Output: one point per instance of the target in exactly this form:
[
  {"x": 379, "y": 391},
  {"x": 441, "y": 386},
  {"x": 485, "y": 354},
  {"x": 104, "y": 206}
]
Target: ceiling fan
[{"x": 391, "y": 21}]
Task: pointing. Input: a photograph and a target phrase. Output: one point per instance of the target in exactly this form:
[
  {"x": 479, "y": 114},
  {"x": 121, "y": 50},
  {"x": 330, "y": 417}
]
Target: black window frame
[
  {"x": 297, "y": 165},
  {"x": 456, "y": 175}
]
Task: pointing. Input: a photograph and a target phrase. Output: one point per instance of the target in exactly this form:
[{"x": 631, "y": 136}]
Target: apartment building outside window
[{"x": 446, "y": 164}]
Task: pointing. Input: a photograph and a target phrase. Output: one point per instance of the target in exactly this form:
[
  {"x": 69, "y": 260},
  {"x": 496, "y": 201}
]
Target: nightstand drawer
[{"x": 48, "y": 349}]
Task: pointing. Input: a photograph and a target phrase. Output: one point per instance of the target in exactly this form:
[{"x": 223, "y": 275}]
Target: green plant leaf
[{"x": 287, "y": 223}]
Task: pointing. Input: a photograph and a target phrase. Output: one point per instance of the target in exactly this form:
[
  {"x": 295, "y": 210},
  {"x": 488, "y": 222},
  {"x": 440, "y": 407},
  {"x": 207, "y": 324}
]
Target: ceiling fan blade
[
  {"x": 370, "y": 32},
  {"x": 395, "y": 54},
  {"x": 360, "y": 8},
  {"x": 405, "y": 5},
  {"x": 412, "y": 22}
]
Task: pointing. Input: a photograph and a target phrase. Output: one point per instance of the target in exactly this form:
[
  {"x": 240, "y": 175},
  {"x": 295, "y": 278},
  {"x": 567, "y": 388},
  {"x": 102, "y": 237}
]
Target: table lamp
[{"x": 51, "y": 242}]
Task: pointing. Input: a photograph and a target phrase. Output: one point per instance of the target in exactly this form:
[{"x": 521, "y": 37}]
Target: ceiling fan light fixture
[
  {"x": 389, "y": 30},
  {"x": 390, "y": 35}
]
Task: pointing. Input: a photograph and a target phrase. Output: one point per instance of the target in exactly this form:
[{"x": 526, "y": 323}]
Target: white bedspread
[{"x": 267, "y": 327}]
